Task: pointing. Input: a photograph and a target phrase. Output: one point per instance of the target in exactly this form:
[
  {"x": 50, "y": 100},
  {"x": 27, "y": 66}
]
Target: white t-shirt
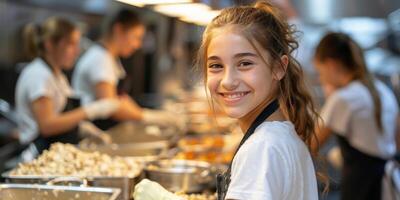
[
  {"x": 37, "y": 80},
  {"x": 273, "y": 164},
  {"x": 95, "y": 66},
  {"x": 349, "y": 112}
]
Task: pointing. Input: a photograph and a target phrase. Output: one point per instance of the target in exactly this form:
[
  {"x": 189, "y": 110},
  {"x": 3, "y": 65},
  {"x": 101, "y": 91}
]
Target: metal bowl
[{"x": 181, "y": 175}]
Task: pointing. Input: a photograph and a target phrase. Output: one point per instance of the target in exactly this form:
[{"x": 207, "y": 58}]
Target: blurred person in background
[
  {"x": 361, "y": 111},
  {"x": 99, "y": 71},
  {"x": 45, "y": 109}
]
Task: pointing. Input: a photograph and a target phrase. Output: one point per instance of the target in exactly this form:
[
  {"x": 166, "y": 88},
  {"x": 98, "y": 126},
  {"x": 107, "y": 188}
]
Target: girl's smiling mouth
[{"x": 231, "y": 98}]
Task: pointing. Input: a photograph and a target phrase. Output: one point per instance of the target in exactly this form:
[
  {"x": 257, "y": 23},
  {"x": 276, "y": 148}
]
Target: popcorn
[{"x": 67, "y": 160}]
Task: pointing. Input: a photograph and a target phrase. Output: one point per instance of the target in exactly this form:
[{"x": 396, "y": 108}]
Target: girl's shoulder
[
  {"x": 278, "y": 135},
  {"x": 270, "y": 131},
  {"x": 37, "y": 69}
]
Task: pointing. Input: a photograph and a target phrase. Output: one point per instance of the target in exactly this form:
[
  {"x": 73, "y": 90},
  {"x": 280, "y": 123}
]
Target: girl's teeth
[{"x": 235, "y": 95}]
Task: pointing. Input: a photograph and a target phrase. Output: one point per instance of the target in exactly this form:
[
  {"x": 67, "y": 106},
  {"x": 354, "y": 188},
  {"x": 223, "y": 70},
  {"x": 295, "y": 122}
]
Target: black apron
[
  {"x": 71, "y": 136},
  {"x": 223, "y": 180},
  {"x": 361, "y": 175}
]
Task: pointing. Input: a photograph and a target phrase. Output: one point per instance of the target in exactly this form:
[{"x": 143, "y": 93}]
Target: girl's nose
[{"x": 230, "y": 79}]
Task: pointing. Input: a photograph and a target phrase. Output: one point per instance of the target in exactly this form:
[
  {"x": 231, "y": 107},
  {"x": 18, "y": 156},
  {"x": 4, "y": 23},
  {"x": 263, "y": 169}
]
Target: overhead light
[
  {"x": 182, "y": 10},
  {"x": 141, "y": 3},
  {"x": 202, "y": 19},
  {"x": 197, "y": 13}
]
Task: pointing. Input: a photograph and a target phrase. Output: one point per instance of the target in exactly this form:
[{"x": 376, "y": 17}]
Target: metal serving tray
[
  {"x": 125, "y": 184},
  {"x": 50, "y": 192}
]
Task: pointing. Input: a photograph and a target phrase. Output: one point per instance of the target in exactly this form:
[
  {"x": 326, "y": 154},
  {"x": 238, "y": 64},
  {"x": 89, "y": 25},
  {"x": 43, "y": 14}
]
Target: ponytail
[
  {"x": 367, "y": 79},
  {"x": 31, "y": 40}
]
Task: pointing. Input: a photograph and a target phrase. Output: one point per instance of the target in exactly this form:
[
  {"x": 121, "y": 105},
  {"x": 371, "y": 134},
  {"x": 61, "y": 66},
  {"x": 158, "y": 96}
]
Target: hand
[
  {"x": 149, "y": 190},
  {"x": 90, "y": 130},
  {"x": 163, "y": 118},
  {"x": 101, "y": 109}
]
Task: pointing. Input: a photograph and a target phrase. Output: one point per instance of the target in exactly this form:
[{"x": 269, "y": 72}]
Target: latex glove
[
  {"x": 101, "y": 109},
  {"x": 163, "y": 118},
  {"x": 149, "y": 190},
  {"x": 88, "y": 129}
]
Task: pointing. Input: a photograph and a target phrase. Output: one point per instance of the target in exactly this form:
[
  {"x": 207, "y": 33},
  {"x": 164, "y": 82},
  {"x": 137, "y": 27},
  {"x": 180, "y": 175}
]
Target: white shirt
[
  {"x": 273, "y": 164},
  {"x": 349, "y": 112},
  {"x": 95, "y": 66},
  {"x": 37, "y": 80}
]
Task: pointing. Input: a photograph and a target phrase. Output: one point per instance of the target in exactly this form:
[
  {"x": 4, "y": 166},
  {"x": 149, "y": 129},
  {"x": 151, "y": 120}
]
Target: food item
[
  {"x": 208, "y": 148},
  {"x": 201, "y": 143},
  {"x": 67, "y": 160},
  {"x": 197, "y": 196},
  {"x": 207, "y": 156}
]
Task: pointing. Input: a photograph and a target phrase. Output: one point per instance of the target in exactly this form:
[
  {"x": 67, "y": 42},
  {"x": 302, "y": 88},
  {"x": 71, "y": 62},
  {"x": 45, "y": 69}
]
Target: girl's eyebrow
[
  {"x": 213, "y": 58},
  {"x": 239, "y": 55}
]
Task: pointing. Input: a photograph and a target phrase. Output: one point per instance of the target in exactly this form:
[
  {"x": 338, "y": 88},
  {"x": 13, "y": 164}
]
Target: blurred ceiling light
[
  {"x": 141, "y": 3},
  {"x": 201, "y": 19},
  {"x": 182, "y": 10}
]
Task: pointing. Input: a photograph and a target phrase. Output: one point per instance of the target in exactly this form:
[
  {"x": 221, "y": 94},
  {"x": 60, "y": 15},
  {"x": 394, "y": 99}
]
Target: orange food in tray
[{"x": 211, "y": 156}]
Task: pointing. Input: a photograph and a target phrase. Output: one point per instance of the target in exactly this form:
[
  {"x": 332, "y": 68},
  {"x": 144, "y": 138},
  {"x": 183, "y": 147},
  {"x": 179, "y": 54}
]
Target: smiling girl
[{"x": 251, "y": 75}]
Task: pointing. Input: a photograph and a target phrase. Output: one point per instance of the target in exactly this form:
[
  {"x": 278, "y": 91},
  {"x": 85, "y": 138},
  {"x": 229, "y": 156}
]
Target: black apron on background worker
[{"x": 361, "y": 175}]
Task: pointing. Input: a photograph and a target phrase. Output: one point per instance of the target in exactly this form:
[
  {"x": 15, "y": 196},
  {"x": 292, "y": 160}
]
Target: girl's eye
[
  {"x": 245, "y": 64},
  {"x": 215, "y": 66}
]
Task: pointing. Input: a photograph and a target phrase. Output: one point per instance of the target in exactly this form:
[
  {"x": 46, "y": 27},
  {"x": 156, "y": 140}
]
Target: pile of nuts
[
  {"x": 197, "y": 196},
  {"x": 67, "y": 160}
]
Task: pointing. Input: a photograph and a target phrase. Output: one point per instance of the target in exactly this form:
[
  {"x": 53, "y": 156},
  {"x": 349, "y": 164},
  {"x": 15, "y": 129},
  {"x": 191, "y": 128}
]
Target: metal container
[
  {"x": 125, "y": 184},
  {"x": 50, "y": 192},
  {"x": 181, "y": 175},
  {"x": 141, "y": 152},
  {"x": 133, "y": 140}
]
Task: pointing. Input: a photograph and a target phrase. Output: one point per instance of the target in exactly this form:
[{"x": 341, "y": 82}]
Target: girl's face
[
  {"x": 67, "y": 50},
  {"x": 237, "y": 77},
  {"x": 328, "y": 71},
  {"x": 129, "y": 40}
]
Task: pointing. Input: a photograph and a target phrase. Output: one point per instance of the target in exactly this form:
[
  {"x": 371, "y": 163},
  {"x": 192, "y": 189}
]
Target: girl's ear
[{"x": 279, "y": 70}]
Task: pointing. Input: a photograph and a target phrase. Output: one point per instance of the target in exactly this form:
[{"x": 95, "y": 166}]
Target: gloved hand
[
  {"x": 101, "y": 109},
  {"x": 149, "y": 190},
  {"x": 88, "y": 129},
  {"x": 163, "y": 118}
]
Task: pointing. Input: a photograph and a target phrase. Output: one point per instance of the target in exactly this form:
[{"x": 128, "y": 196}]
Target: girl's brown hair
[
  {"x": 53, "y": 29},
  {"x": 263, "y": 24},
  {"x": 340, "y": 47}
]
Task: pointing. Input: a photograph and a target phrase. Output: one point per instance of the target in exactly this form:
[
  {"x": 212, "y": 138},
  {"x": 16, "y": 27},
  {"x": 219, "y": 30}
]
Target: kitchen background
[{"x": 165, "y": 63}]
